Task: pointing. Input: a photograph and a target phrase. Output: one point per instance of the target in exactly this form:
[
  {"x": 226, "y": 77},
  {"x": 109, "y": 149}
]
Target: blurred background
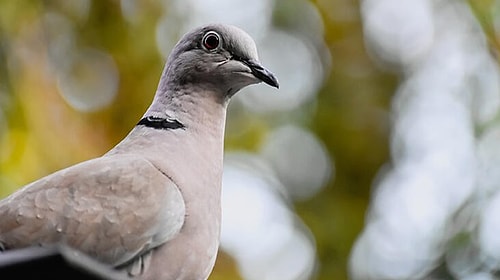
[{"x": 378, "y": 158}]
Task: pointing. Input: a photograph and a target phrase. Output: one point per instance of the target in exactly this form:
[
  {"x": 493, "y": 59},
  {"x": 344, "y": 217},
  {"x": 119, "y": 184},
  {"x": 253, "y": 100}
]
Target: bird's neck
[
  {"x": 199, "y": 142},
  {"x": 189, "y": 105}
]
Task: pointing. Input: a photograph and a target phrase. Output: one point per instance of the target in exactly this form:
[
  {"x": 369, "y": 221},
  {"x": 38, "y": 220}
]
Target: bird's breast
[{"x": 198, "y": 175}]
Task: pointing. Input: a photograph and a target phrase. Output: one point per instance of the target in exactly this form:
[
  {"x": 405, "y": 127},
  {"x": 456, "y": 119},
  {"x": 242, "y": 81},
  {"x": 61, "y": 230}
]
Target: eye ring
[{"x": 211, "y": 41}]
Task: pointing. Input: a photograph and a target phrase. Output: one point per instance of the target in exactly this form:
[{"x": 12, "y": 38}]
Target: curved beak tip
[
  {"x": 273, "y": 81},
  {"x": 263, "y": 74},
  {"x": 266, "y": 76}
]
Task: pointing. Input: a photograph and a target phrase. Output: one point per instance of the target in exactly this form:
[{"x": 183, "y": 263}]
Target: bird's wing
[{"x": 113, "y": 208}]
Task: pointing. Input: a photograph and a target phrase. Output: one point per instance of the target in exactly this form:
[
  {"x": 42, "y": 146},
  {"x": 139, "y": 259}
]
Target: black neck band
[{"x": 160, "y": 123}]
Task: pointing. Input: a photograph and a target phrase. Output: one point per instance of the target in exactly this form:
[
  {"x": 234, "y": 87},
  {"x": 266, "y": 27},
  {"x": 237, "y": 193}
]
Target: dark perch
[{"x": 52, "y": 263}]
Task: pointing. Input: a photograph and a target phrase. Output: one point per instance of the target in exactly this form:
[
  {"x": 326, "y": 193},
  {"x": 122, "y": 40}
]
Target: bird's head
[{"x": 221, "y": 57}]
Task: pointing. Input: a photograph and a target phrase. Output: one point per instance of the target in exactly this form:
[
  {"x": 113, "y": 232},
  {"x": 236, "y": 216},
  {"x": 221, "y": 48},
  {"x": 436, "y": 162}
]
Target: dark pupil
[{"x": 211, "y": 42}]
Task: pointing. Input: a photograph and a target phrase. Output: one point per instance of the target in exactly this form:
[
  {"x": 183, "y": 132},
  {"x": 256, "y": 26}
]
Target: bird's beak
[{"x": 262, "y": 73}]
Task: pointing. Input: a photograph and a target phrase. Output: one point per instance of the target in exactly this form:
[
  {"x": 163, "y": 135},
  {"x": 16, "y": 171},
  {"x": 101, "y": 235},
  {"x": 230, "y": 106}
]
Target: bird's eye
[{"x": 211, "y": 40}]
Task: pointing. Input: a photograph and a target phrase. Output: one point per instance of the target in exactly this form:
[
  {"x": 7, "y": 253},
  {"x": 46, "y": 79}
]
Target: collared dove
[{"x": 151, "y": 205}]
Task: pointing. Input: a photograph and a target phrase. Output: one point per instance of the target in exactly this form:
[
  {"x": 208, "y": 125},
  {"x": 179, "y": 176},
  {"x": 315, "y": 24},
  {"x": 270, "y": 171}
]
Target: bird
[{"x": 151, "y": 206}]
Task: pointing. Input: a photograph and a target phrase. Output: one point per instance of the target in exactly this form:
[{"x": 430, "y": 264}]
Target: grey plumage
[{"x": 151, "y": 205}]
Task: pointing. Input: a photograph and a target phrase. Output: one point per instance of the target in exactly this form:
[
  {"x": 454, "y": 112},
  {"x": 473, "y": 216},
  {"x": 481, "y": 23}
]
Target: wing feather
[{"x": 113, "y": 208}]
